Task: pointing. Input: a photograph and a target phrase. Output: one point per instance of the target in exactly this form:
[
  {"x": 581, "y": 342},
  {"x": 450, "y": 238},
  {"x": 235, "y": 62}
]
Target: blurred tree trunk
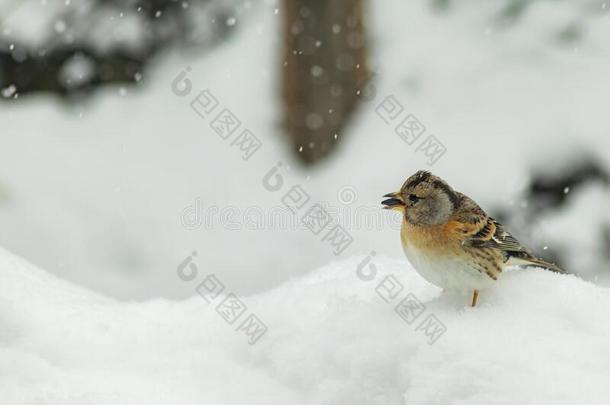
[{"x": 323, "y": 65}]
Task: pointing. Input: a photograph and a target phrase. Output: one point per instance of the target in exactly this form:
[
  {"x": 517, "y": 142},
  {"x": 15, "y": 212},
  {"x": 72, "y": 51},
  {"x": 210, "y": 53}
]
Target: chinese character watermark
[
  {"x": 409, "y": 308},
  {"x": 230, "y": 308},
  {"x": 409, "y": 129},
  {"x": 224, "y": 123}
]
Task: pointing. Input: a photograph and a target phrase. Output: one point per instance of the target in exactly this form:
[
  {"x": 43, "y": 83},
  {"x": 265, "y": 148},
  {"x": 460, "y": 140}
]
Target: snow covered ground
[
  {"x": 96, "y": 192},
  {"x": 331, "y": 338}
]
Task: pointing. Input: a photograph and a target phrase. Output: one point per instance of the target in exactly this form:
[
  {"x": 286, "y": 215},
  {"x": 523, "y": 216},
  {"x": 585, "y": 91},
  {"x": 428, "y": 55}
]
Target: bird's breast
[
  {"x": 432, "y": 240},
  {"x": 438, "y": 258}
]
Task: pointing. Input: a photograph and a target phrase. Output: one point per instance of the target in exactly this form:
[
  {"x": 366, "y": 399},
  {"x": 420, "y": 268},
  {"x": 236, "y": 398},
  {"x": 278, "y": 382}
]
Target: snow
[
  {"x": 100, "y": 194},
  {"x": 536, "y": 337},
  {"x": 77, "y": 70}
]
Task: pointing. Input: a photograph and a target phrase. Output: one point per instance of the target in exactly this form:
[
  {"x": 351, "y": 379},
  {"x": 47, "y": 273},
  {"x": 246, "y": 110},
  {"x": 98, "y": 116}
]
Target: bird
[{"x": 450, "y": 241}]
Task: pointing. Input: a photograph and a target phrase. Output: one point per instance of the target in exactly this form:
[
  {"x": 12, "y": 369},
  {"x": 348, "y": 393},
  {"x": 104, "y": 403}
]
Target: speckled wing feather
[{"x": 478, "y": 230}]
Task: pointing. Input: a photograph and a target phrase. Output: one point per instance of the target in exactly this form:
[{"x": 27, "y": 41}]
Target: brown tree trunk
[{"x": 323, "y": 67}]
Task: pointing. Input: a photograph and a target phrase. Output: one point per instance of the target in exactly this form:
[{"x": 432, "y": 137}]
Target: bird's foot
[{"x": 475, "y": 297}]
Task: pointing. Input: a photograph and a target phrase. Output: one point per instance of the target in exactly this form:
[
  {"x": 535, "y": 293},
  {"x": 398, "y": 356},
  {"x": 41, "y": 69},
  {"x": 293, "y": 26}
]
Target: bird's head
[{"x": 424, "y": 199}]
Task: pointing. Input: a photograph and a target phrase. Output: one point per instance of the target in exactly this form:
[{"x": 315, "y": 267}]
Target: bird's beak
[{"x": 394, "y": 201}]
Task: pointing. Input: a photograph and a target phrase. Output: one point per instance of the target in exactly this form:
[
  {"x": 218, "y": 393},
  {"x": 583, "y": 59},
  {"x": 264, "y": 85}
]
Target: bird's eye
[{"x": 413, "y": 198}]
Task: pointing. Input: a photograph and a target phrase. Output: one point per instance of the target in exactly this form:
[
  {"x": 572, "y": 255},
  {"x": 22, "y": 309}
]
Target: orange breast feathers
[{"x": 435, "y": 239}]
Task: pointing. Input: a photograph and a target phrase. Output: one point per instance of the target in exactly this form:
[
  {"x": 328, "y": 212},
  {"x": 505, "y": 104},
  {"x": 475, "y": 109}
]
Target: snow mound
[{"x": 331, "y": 338}]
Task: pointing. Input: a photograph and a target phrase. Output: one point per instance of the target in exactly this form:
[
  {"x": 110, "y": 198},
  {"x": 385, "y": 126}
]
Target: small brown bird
[{"x": 450, "y": 240}]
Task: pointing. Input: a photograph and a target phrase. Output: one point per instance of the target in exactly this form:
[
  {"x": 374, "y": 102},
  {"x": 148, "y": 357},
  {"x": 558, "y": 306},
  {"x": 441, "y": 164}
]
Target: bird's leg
[{"x": 475, "y": 297}]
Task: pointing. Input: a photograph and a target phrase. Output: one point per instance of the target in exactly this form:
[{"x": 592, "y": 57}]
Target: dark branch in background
[
  {"x": 46, "y": 68},
  {"x": 43, "y": 73},
  {"x": 323, "y": 65},
  {"x": 550, "y": 191}
]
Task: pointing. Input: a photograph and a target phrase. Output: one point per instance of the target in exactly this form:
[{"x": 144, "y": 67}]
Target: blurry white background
[{"x": 93, "y": 188}]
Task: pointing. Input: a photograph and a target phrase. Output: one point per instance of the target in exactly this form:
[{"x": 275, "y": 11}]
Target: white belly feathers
[{"x": 446, "y": 273}]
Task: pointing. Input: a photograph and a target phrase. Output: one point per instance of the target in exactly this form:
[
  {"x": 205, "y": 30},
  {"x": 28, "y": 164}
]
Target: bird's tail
[{"x": 527, "y": 260}]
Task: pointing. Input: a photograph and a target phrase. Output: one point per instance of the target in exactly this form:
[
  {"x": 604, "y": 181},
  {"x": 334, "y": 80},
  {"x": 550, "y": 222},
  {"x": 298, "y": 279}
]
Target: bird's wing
[
  {"x": 484, "y": 232},
  {"x": 476, "y": 229},
  {"x": 492, "y": 234}
]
